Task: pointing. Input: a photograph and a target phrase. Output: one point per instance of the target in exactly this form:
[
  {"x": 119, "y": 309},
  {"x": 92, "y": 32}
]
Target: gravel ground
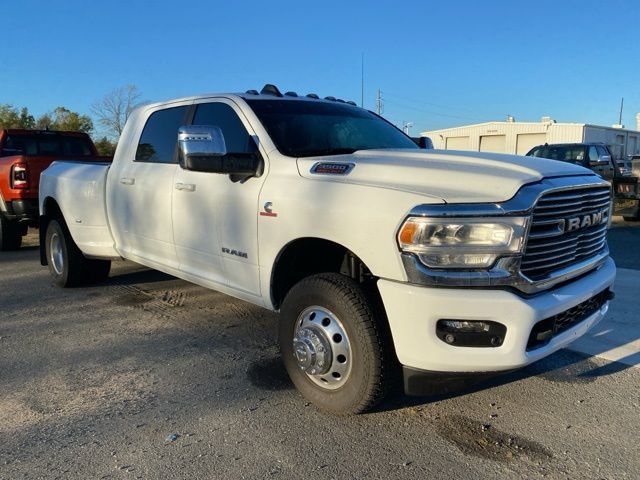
[{"x": 148, "y": 376}]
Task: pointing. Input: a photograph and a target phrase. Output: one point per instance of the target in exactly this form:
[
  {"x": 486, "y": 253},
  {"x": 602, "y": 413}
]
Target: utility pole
[
  {"x": 362, "y": 81},
  {"x": 620, "y": 117},
  {"x": 379, "y": 106}
]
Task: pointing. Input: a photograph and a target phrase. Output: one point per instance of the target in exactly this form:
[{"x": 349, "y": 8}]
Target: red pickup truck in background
[{"x": 24, "y": 154}]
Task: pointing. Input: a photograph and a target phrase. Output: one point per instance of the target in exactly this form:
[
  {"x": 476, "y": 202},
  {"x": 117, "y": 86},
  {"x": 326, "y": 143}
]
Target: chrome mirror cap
[{"x": 201, "y": 141}]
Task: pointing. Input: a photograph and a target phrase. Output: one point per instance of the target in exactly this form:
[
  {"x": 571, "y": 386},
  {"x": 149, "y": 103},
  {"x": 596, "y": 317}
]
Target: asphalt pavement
[{"x": 148, "y": 376}]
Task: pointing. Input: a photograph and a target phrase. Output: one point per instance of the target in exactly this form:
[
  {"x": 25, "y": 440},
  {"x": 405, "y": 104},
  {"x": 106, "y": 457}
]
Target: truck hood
[{"x": 449, "y": 176}]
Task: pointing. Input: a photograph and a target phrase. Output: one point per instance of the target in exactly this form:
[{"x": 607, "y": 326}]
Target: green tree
[
  {"x": 44, "y": 122},
  {"x": 11, "y": 117},
  {"x": 105, "y": 146},
  {"x": 26, "y": 119},
  {"x": 64, "y": 119}
]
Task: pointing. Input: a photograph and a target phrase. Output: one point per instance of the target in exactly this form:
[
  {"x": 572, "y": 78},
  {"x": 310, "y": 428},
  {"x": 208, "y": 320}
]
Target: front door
[
  {"x": 214, "y": 215},
  {"x": 604, "y": 170}
]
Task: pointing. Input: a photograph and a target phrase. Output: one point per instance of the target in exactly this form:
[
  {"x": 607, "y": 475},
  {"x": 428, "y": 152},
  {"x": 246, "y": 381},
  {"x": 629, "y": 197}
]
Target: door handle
[
  {"x": 188, "y": 187},
  {"x": 127, "y": 181}
]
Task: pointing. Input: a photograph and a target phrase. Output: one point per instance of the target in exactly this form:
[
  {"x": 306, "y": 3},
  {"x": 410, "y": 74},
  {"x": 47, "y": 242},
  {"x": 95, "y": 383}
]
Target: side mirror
[
  {"x": 424, "y": 143},
  {"x": 203, "y": 149},
  {"x": 602, "y": 161}
]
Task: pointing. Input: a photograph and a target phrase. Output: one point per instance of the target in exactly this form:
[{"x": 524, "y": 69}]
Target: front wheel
[
  {"x": 67, "y": 265},
  {"x": 332, "y": 344}
]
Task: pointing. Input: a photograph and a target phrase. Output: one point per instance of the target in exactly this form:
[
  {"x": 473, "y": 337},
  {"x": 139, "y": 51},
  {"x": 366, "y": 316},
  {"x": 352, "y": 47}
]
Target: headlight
[{"x": 462, "y": 242}]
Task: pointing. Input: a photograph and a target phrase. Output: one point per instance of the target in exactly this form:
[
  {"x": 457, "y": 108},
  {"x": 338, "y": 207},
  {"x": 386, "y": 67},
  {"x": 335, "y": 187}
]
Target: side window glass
[
  {"x": 158, "y": 140},
  {"x": 544, "y": 153},
  {"x": 601, "y": 150},
  {"x": 221, "y": 115},
  {"x": 593, "y": 154}
]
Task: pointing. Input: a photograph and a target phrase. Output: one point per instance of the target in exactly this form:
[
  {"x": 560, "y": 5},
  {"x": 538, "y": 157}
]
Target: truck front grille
[{"x": 568, "y": 227}]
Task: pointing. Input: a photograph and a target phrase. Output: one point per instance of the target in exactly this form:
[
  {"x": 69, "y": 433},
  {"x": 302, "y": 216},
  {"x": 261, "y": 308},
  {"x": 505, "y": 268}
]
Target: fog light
[
  {"x": 471, "y": 333},
  {"x": 466, "y": 326}
]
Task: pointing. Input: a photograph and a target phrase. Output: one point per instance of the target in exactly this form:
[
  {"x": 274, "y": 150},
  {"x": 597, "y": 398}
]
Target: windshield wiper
[{"x": 329, "y": 151}]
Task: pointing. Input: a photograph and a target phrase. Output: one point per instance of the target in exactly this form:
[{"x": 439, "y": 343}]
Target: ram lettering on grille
[{"x": 576, "y": 223}]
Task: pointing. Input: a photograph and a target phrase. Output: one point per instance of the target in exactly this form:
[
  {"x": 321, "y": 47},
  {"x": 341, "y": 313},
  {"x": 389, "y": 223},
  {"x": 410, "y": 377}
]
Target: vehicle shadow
[
  {"x": 564, "y": 366},
  {"x": 138, "y": 276}
]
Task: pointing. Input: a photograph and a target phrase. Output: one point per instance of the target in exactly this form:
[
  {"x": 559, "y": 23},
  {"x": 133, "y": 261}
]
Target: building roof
[{"x": 550, "y": 122}]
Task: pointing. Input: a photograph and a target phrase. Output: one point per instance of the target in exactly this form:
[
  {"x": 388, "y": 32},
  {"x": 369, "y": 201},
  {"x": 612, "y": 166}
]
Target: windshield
[{"x": 301, "y": 128}]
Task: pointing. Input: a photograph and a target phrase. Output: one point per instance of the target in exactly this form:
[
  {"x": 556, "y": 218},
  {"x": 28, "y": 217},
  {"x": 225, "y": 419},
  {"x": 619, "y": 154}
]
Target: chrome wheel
[
  {"x": 321, "y": 348},
  {"x": 56, "y": 253}
]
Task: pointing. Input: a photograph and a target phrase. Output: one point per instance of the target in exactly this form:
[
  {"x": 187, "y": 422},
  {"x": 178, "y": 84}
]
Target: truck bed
[{"x": 79, "y": 190}]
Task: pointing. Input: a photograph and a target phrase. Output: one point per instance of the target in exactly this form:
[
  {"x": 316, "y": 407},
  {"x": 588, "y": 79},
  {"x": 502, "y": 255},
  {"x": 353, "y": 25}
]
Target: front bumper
[{"x": 413, "y": 312}]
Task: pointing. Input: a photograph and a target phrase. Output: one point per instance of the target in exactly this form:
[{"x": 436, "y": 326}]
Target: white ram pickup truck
[{"x": 377, "y": 254}]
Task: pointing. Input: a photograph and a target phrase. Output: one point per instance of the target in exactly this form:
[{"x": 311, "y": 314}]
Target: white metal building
[{"x": 520, "y": 137}]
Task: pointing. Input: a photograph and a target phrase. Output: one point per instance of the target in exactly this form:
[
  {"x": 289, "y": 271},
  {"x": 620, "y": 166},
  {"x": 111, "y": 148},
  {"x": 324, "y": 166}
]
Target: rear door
[{"x": 141, "y": 189}]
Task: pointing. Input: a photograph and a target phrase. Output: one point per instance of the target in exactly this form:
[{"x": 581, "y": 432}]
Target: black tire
[
  {"x": 371, "y": 359},
  {"x": 10, "y": 234},
  {"x": 67, "y": 265}
]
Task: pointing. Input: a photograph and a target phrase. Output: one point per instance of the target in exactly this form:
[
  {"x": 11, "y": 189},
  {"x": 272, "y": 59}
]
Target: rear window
[{"x": 47, "y": 144}]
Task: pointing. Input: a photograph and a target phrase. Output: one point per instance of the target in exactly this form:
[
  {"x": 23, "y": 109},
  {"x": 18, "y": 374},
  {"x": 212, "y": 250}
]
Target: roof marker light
[{"x": 270, "y": 89}]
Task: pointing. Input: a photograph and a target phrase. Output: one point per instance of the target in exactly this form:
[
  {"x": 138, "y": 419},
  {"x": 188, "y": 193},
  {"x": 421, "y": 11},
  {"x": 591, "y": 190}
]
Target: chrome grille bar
[{"x": 550, "y": 245}]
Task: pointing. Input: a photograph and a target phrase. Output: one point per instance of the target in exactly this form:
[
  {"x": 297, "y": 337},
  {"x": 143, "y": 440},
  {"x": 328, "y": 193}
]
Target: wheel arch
[
  {"x": 307, "y": 256},
  {"x": 50, "y": 210}
]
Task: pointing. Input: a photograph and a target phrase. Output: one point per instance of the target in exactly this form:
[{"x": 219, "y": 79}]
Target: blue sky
[{"x": 437, "y": 64}]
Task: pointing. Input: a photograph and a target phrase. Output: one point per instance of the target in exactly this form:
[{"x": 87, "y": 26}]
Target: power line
[
  {"x": 422, "y": 102},
  {"x": 362, "y": 81},
  {"x": 433, "y": 112},
  {"x": 413, "y": 104}
]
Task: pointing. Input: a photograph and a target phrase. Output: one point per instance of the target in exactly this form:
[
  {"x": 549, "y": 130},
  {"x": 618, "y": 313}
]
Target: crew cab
[
  {"x": 381, "y": 257},
  {"x": 24, "y": 154}
]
